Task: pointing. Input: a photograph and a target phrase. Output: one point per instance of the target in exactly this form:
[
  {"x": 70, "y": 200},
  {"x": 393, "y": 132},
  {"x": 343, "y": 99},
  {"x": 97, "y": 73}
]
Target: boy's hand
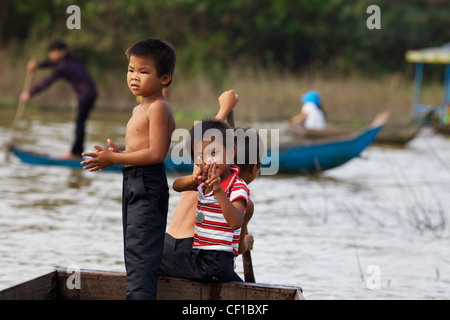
[
  {"x": 249, "y": 240},
  {"x": 200, "y": 171},
  {"x": 213, "y": 180},
  {"x": 101, "y": 158},
  {"x": 227, "y": 102},
  {"x": 24, "y": 96},
  {"x": 112, "y": 146},
  {"x": 32, "y": 65}
]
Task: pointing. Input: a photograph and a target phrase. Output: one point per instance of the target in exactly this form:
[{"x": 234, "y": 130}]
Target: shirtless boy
[{"x": 145, "y": 189}]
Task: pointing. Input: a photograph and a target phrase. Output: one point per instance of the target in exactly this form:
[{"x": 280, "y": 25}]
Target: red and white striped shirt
[{"x": 212, "y": 231}]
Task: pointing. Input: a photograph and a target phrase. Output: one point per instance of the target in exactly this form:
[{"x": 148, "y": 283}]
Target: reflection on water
[{"x": 375, "y": 228}]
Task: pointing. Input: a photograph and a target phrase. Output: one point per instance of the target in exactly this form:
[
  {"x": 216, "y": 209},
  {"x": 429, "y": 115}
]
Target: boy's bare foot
[{"x": 69, "y": 155}]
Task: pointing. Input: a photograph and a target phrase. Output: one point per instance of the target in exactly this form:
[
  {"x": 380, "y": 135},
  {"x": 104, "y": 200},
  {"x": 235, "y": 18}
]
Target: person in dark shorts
[{"x": 66, "y": 65}]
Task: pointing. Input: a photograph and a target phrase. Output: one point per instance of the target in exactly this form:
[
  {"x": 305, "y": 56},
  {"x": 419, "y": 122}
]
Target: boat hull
[
  {"x": 298, "y": 156},
  {"x": 60, "y": 284},
  {"x": 46, "y": 160},
  {"x": 320, "y": 156}
]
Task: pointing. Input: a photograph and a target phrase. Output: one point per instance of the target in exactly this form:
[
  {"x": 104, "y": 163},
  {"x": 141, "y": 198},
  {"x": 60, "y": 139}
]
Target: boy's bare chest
[{"x": 138, "y": 123}]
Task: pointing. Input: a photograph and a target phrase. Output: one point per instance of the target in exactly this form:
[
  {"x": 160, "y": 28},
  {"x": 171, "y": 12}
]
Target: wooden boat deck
[{"x": 105, "y": 285}]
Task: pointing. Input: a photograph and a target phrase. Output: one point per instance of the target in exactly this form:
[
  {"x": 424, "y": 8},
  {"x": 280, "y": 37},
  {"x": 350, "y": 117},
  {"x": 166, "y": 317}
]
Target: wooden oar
[
  {"x": 19, "y": 113},
  {"x": 249, "y": 275},
  {"x": 230, "y": 119}
]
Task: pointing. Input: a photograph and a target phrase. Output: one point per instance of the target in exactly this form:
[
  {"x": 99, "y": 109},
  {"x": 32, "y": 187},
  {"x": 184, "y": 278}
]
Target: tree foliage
[{"x": 212, "y": 35}]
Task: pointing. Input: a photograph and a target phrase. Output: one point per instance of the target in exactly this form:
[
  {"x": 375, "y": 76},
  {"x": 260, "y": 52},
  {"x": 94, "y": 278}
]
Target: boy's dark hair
[
  {"x": 249, "y": 148},
  {"x": 57, "y": 45},
  {"x": 160, "y": 51},
  {"x": 203, "y": 127}
]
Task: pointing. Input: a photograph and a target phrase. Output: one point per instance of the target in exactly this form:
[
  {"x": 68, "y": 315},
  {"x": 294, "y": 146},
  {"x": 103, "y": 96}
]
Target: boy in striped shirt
[
  {"x": 221, "y": 206},
  {"x": 180, "y": 233}
]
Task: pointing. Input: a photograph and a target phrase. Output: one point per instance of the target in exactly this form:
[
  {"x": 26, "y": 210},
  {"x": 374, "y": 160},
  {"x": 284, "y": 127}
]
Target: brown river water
[{"x": 374, "y": 228}]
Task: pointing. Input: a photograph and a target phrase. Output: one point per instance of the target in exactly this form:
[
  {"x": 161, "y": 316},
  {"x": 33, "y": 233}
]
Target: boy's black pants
[
  {"x": 199, "y": 265},
  {"x": 144, "y": 215},
  {"x": 84, "y": 108}
]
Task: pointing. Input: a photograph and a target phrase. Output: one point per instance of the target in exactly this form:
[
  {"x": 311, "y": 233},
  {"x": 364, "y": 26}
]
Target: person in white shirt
[{"x": 311, "y": 116}]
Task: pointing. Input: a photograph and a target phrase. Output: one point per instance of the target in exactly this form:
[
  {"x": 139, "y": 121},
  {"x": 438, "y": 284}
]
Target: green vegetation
[
  {"x": 211, "y": 35},
  {"x": 250, "y": 45}
]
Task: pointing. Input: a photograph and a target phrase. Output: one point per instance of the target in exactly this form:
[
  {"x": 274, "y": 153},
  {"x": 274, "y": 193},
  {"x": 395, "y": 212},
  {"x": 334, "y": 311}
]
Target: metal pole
[
  {"x": 418, "y": 83},
  {"x": 446, "y": 97}
]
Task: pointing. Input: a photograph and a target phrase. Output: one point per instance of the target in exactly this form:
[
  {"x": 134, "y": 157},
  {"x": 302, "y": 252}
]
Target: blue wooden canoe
[
  {"x": 299, "y": 157},
  {"x": 314, "y": 156},
  {"x": 47, "y": 160},
  {"x": 317, "y": 156}
]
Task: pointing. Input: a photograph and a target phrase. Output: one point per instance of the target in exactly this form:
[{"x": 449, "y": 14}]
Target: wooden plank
[
  {"x": 105, "y": 285},
  {"x": 40, "y": 288},
  {"x": 98, "y": 285},
  {"x": 93, "y": 285},
  {"x": 182, "y": 289}
]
